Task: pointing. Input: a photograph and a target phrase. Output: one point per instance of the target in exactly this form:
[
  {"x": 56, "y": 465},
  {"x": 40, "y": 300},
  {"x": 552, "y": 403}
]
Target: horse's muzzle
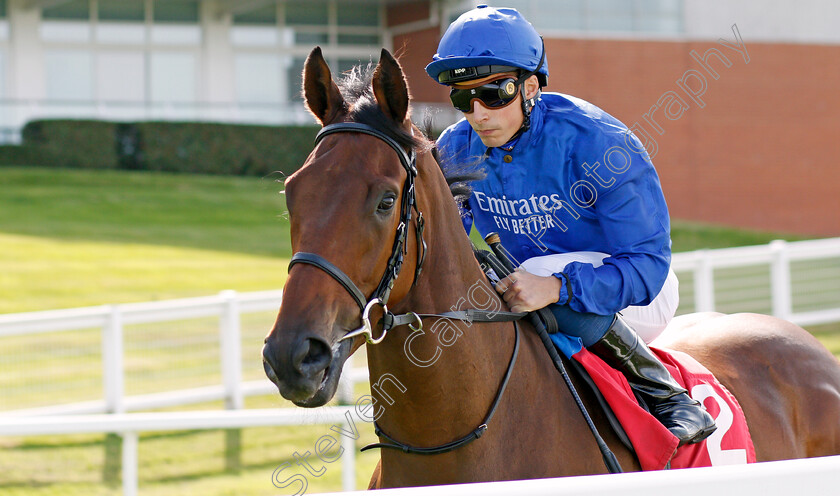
[{"x": 307, "y": 373}]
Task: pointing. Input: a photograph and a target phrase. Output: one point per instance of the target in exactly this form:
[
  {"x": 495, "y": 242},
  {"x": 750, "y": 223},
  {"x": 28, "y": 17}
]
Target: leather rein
[{"x": 386, "y": 284}]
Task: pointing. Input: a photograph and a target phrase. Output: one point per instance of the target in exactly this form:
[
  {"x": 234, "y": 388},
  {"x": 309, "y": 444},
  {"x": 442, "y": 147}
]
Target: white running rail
[
  {"x": 813, "y": 476},
  {"x": 229, "y": 306}
]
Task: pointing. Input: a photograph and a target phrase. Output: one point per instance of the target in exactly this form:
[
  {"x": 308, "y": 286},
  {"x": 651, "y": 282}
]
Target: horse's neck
[
  {"x": 435, "y": 386},
  {"x": 424, "y": 377},
  {"x": 450, "y": 269}
]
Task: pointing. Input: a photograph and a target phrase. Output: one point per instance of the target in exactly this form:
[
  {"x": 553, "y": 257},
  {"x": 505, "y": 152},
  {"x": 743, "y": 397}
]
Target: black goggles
[{"x": 492, "y": 95}]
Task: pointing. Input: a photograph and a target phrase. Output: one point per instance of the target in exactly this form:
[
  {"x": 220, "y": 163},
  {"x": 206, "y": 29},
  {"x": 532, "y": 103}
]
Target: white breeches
[{"x": 648, "y": 321}]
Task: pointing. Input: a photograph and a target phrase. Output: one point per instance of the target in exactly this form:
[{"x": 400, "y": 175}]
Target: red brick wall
[
  {"x": 761, "y": 152},
  {"x": 415, "y": 51},
  {"x": 406, "y": 12}
]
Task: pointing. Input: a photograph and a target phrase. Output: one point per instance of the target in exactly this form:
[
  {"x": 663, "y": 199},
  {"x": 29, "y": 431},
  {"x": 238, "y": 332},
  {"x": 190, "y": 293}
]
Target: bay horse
[{"x": 371, "y": 200}]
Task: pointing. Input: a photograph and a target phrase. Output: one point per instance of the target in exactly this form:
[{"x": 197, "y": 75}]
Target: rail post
[
  {"x": 113, "y": 379},
  {"x": 780, "y": 280},
  {"x": 112, "y": 361},
  {"x": 129, "y": 463},
  {"x": 230, "y": 344},
  {"x": 348, "y": 461},
  {"x": 704, "y": 283},
  {"x": 345, "y": 397}
]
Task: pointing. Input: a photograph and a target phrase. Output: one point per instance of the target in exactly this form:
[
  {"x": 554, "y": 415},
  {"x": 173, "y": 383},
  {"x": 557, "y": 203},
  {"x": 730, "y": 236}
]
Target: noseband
[{"x": 380, "y": 295}]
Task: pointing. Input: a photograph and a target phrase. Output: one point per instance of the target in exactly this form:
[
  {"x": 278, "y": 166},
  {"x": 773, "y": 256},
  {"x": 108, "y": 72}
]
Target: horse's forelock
[
  {"x": 355, "y": 83},
  {"x": 355, "y": 87}
]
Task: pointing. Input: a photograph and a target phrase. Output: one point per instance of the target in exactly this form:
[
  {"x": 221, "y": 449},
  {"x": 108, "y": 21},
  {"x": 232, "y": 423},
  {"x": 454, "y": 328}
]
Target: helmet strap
[{"x": 528, "y": 103}]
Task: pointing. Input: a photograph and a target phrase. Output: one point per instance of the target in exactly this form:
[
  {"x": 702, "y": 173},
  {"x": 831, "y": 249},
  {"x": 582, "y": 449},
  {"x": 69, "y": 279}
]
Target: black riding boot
[{"x": 623, "y": 350}]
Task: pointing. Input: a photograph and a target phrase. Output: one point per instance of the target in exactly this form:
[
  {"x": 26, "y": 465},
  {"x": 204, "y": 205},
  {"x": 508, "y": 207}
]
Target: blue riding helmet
[{"x": 488, "y": 40}]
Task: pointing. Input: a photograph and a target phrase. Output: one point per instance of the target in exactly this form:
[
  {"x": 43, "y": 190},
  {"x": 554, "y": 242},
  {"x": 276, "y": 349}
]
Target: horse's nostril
[
  {"x": 268, "y": 361},
  {"x": 313, "y": 356},
  {"x": 269, "y": 372}
]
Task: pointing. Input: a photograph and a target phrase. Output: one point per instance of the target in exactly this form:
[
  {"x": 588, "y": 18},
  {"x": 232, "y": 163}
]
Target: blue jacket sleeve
[{"x": 636, "y": 226}]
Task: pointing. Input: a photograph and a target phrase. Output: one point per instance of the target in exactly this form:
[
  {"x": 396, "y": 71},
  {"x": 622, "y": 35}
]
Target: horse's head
[{"x": 345, "y": 205}]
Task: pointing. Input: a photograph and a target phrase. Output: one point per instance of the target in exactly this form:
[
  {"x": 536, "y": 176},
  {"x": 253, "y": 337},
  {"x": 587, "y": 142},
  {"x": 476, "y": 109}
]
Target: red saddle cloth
[{"x": 654, "y": 445}]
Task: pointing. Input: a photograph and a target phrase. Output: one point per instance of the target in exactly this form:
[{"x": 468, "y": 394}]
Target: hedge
[{"x": 195, "y": 147}]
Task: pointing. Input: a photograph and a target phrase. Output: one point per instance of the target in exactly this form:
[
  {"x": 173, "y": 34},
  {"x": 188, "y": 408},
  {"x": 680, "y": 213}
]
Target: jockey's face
[{"x": 496, "y": 126}]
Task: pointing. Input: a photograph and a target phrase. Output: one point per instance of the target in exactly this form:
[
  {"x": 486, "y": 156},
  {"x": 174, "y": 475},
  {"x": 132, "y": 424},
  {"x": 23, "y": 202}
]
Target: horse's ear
[
  {"x": 320, "y": 92},
  {"x": 390, "y": 87}
]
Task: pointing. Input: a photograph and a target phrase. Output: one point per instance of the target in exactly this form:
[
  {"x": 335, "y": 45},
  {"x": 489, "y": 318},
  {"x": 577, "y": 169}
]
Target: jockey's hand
[{"x": 525, "y": 292}]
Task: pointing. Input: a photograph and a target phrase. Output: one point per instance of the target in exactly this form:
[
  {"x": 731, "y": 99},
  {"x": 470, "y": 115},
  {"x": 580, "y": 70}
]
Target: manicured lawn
[{"x": 75, "y": 238}]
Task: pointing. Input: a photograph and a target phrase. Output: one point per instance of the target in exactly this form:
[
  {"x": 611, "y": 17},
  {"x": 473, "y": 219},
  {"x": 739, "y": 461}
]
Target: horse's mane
[{"x": 355, "y": 87}]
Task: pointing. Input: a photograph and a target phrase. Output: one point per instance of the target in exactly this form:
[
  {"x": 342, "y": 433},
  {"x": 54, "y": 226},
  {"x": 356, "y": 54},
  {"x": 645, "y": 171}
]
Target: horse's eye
[{"x": 387, "y": 203}]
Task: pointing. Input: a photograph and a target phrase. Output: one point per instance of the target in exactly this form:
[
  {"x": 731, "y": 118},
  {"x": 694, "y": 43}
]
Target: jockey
[{"x": 574, "y": 197}]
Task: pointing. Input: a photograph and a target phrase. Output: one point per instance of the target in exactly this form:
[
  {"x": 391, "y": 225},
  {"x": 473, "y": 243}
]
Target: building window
[
  {"x": 263, "y": 89},
  {"x": 310, "y": 38},
  {"x": 262, "y": 16},
  {"x": 121, "y": 76},
  {"x": 659, "y": 16},
  {"x": 602, "y": 16},
  {"x": 176, "y": 22},
  {"x": 2, "y": 77},
  {"x": 121, "y": 10},
  {"x": 180, "y": 11},
  {"x": 358, "y": 14},
  {"x": 293, "y": 76},
  {"x": 309, "y": 13},
  {"x": 173, "y": 77},
  {"x": 345, "y": 65},
  {"x": 351, "y": 28},
  {"x": 69, "y": 75},
  {"x": 454, "y": 9},
  {"x": 609, "y": 15},
  {"x": 76, "y": 10},
  {"x": 359, "y": 39}
]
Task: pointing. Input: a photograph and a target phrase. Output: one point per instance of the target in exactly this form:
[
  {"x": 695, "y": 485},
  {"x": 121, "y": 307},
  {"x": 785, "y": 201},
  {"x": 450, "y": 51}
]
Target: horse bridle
[
  {"x": 383, "y": 290},
  {"x": 380, "y": 295}
]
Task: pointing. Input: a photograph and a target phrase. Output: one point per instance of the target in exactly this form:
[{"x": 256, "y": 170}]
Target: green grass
[
  {"x": 241, "y": 215},
  {"x": 73, "y": 238},
  {"x": 689, "y": 236}
]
